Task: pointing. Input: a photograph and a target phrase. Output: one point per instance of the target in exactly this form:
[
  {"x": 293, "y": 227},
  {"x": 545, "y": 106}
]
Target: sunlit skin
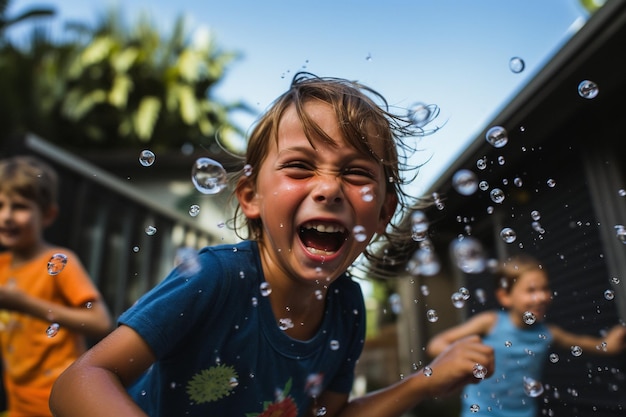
[
  {"x": 531, "y": 293},
  {"x": 21, "y": 221},
  {"x": 302, "y": 185}
]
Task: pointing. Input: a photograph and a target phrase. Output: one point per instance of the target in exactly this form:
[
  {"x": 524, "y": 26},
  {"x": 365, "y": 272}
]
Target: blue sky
[{"x": 454, "y": 54}]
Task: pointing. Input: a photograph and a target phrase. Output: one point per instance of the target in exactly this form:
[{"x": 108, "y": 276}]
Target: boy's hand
[{"x": 454, "y": 367}]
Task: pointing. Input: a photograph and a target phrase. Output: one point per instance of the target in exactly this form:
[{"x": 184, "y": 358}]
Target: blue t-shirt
[
  {"x": 519, "y": 352},
  {"x": 221, "y": 351}
]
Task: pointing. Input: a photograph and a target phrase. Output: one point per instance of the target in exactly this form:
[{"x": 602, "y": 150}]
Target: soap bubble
[
  {"x": 554, "y": 357},
  {"x": 516, "y": 65},
  {"x": 474, "y": 408},
  {"x": 194, "y": 210},
  {"x": 532, "y": 387},
  {"x": 432, "y": 316},
  {"x": 609, "y": 294},
  {"x": 428, "y": 371},
  {"x": 360, "y": 234},
  {"x": 56, "y": 263},
  {"x": 146, "y": 158},
  {"x": 535, "y": 215},
  {"x": 479, "y": 371},
  {"x": 209, "y": 176},
  {"x": 457, "y": 300},
  {"x": 588, "y": 89},
  {"x": 151, "y": 230},
  {"x": 508, "y": 235},
  {"x": 421, "y": 114},
  {"x": 469, "y": 255},
  {"x": 464, "y": 182},
  {"x": 481, "y": 163},
  {"x": 334, "y": 345},
  {"x": 528, "y": 317},
  {"x": 620, "y": 233},
  {"x": 52, "y": 330},
  {"x": 497, "y": 195},
  {"x": 497, "y": 136},
  {"x": 419, "y": 226},
  {"x": 266, "y": 289},
  {"x": 576, "y": 350}
]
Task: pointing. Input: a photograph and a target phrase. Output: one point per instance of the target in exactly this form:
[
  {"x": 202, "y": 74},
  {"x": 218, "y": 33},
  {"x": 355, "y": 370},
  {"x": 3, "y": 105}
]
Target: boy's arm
[
  {"x": 93, "y": 321},
  {"x": 450, "y": 370},
  {"x": 479, "y": 324},
  {"x": 95, "y": 384},
  {"x": 614, "y": 342}
]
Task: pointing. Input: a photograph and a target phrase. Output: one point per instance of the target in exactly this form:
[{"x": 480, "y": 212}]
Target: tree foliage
[{"x": 107, "y": 86}]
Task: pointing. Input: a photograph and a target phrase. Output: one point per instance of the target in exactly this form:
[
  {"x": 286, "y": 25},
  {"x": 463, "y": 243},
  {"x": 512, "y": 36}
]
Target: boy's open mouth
[{"x": 322, "y": 238}]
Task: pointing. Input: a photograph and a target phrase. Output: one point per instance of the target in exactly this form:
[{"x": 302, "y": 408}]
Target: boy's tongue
[{"x": 328, "y": 242}]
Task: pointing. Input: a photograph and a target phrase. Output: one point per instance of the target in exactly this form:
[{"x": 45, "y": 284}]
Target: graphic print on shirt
[
  {"x": 212, "y": 384},
  {"x": 283, "y": 406}
]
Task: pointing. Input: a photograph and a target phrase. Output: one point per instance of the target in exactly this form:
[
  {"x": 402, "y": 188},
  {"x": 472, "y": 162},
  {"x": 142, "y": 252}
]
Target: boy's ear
[
  {"x": 248, "y": 198},
  {"x": 387, "y": 211},
  {"x": 49, "y": 215},
  {"x": 503, "y": 297}
]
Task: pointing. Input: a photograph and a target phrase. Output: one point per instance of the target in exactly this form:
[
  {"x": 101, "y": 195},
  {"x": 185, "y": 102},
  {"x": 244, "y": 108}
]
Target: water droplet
[
  {"x": 420, "y": 114},
  {"x": 285, "y": 323},
  {"x": 464, "y": 182},
  {"x": 151, "y": 230},
  {"x": 532, "y": 387},
  {"x": 497, "y": 195},
  {"x": 474, "y": 408},
  {"x": 419, "y": 226},
  {"x": 497, "y": 136},
  {"x": 194, "y": 210},
  {"x": 52, "y": 330},
  {"x": 146, "y": 158},
  {"x": 266, "y": 289},
  {"x": 516, "y": 65},
  {"x": 609, "y": 294},
  {"x": 508, "y": 235},
  {"x": 334, "y": 345},
  {"x": 360, "y": 234},
  {"x": 457, "y": 300},
  {"x": 465, "y": 293},
  {"x": 367, "y": 194},
  {"x": 321, "y": 411},
  {"x": 479, "y": 371},
  {"x": 588, "y": 89},
  {"x": 56, "y": 263},
  {"x": 528, "y": 317},
  {"x": 432, "y": 315},
  {"x": 208, "y": 176},
  {"x": 576, "y": 351},
  {"x": 428, "y": 371}
]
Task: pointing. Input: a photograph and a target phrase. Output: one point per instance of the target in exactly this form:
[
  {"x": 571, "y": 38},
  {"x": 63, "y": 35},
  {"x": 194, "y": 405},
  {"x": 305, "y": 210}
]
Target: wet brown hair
[
  {"x": 508, "y": 273},
  {"x": 364, "y": 119},
  {"x": 30, "y": 178}
]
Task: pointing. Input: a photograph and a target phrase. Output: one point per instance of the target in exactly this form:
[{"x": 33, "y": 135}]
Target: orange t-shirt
[{"x": 32, "y": 358}]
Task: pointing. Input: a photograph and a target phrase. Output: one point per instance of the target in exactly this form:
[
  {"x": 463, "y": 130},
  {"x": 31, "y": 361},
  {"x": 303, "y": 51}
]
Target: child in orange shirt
[{"x": 48, "y": 303}]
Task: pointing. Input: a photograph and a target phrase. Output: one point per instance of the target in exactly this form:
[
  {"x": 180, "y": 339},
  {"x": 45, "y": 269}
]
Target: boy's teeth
[
  {"x": 320, "y": 251},
  {"x": 324, "y": 228}
]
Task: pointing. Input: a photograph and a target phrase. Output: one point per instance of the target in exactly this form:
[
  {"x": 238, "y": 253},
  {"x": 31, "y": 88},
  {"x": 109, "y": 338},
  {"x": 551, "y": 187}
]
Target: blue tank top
[{"x": 519, "y": 353}]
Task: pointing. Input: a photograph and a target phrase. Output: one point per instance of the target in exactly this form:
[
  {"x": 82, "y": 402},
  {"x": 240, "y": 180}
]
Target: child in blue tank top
[
  {"x": 520, "y": 341},
  {"x": 274, "y": 325}
]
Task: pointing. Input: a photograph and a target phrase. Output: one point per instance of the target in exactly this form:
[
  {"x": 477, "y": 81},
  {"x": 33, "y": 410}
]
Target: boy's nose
[{"x": 328, "y": 190}]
